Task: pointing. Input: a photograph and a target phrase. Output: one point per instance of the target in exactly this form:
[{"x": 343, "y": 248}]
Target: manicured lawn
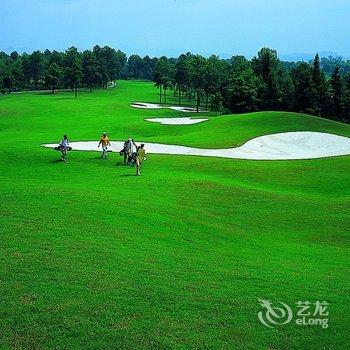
[{"x": 93, "y": 257}]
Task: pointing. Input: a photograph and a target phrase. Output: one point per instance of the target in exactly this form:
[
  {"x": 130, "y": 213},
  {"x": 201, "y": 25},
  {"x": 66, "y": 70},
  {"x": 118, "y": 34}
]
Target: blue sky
[{"x": 157, "y": 27}]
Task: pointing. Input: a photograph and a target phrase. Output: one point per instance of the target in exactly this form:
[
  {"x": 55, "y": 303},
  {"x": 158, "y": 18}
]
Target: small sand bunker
[
  {"x": 283, "y": 146},
  {"x": 176, "y": 121},
  {"x": 144, "y": 105}
]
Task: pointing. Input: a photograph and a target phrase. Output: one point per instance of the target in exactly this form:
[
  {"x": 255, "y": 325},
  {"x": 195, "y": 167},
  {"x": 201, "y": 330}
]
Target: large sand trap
[
  {"x": 144, "y": 105},
  {"x": 291, "y": 145},
  {"x": 176, "y": 121}
]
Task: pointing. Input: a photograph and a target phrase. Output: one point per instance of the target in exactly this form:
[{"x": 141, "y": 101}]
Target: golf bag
[
  {"x": 60, "y": 148},
  {"x": 132, "y": 159}
]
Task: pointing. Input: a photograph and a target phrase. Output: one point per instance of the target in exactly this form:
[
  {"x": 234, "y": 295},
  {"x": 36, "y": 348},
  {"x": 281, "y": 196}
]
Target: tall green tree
[
  {"x": 102, "y": 66},
  {"x": 161, "y": 76},
  {"x": 135, "y": 66},
  {"x": 53, "y": 76},
  {"x": 214, "y": 71},
  {"x": 216, "y": 102},
  {"x": 112, "y": 61},
  {"x": 182, "y": 74},
  {"x": 90, "y": 76},
  {"x": 303, "y": 86},
  {"x": 8, "y": 81},
  {"x": 197, "y": 74},
  {"x": 73, "y": 70},
  {"x": 319, "y": 88},
  {"x": 336, "y": 93},
  {"x": 147, "y": 72},
  {"x": 25, "y": 61},
  {"x": 35, "y": 67},
  {"x": 242, "y": 90},
  {"x": 287, "y": 101},
  {"x": 16, "y": 72},
  {"x": 266, "y": 66},
  {"x": 14, "y": 55},
  {"x": 121, "y": 63},
  {"x": 346, "y": 99}
]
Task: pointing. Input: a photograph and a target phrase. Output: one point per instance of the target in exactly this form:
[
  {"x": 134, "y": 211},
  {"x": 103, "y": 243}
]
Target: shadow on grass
[
  {"x": 122, "y": 165},
  {"x": 65, "y": 98},
  {"x": 56, "y": 161}
]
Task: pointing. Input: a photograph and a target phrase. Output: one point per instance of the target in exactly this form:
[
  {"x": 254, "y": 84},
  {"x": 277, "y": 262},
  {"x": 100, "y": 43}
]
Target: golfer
[
  {"x": 139, "y": 157},
  {"x": 128, "y": 149},
  {"x": 104, "y": 141},
  {"x": 63, "y": 147}
]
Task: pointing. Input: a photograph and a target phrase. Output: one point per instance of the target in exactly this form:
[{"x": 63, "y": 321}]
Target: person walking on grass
[
  {"x": 140, "y": 156},
  {"x": 128, "y": 150},
  {"x": 104, "y": 141},
  {"x": 64, "y": 147}
]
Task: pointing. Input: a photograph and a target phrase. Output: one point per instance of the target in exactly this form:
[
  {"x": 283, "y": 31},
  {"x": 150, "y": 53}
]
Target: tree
[
  {"x": 337, "y": 92},
  {"x": 121, "y": 63},
  {"x": 35, "y": 67},
  {"x": 182, "y": 74},
  {"x": 346, "y": 99},
  {"x": 266, "y": 66},
  {"x": 8, "y": 81},
  {"x": 135, "y": 66},
  {"x": 161, "y": 76},
  {"x": 2, "y": 73},
  {"x": 25, "y": 62},
  {"x": 73, "y": 71},
  {"x": 243, "y": 87},
  {"x": 16, "y": 72},
  {"x": 102, "y": 67},
  {"x": 214, "y": 70},
  {"x": 14, "y": 55},
  {"x": 90, "y": 76},
  {"x": 111, "y": 61},
  {"x": 303, "y": 86},
  {"x": 287, "y": 102},
  {"x": 53, "y": 76},
  {"x": 197, "y": 74},
  {"x": 216, "y": 102},
  {"x": 319, "y": 87}
]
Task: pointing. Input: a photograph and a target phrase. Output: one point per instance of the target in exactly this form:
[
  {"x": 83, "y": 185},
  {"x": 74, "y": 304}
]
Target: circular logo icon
[{"x": 274, "y": 315}]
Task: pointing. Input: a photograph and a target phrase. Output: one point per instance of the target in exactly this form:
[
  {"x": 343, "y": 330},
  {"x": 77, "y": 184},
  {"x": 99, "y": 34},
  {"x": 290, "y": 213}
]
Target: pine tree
[
  {"x": 53, "y": 76},
  {"x": 302, "y": 80},
  {"x": 266, "y": 66},
  {"x": 337, "y": 91},
  {"x": 319, "y": 89},
  {"x": 346, "y": 99}
]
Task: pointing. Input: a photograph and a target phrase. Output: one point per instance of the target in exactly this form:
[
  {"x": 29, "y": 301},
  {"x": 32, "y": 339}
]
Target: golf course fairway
[{"x": 94, "y": 257}]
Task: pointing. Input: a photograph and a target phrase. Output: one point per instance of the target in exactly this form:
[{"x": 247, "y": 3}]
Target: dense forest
[{"x": 320, "y": 87}]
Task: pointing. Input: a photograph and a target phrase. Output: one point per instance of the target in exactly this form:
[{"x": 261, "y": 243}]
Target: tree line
[{"x": 320, "y": 87}]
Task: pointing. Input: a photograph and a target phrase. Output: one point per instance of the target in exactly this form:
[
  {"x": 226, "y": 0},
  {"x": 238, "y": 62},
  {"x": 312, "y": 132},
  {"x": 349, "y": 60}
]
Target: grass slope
[{"x": 93, "y": 257}]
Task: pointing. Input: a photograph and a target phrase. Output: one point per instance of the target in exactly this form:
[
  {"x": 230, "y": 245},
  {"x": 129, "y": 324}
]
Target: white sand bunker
[
  {"x": 176, "y": 121},
  {"x": 291, "y": 145},
  {"x": 144, "y": 105}
]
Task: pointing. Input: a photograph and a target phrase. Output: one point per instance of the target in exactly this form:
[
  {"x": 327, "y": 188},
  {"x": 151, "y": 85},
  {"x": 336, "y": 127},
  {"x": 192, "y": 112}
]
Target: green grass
[{"x": 93, "y": 257}]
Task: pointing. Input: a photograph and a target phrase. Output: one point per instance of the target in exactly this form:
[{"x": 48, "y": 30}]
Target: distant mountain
[{"x": 295, "y": 57}]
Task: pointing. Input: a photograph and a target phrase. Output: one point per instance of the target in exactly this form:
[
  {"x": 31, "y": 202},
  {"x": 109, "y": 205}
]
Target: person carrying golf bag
[
  {"x": 139, "y": 156},
  {"x": 127, "y": 151},
  {"x": 63, "y": 147}
]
